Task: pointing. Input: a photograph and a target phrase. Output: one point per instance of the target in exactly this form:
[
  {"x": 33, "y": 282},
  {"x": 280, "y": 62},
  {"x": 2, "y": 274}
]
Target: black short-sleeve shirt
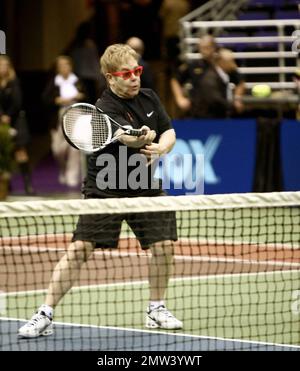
[{"x": 114, "y": 171}]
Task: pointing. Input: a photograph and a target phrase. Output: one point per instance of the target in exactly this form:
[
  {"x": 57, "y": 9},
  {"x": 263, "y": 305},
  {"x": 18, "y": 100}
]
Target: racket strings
[
  {"x": 86, "y": 128},
  {"x": 101, "y": 130}
]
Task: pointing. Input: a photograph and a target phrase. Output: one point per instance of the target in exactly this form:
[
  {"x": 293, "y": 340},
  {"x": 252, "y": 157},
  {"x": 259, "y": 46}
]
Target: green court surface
[
  {"x": 256, "y": 306},
  {"x": 237, "y": 274},
  {"x": 248, "y": 225}
]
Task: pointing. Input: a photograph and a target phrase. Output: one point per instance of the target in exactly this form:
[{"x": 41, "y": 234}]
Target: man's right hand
[{"x": 138, "y": 142}]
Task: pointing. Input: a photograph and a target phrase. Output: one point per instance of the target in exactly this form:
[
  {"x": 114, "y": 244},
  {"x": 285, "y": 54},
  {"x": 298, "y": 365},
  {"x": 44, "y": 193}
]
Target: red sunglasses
[{"x": 127, "y": 74}]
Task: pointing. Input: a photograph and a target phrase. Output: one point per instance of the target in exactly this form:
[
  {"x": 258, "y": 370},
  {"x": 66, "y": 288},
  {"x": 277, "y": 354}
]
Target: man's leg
[
  {"x": 67, "y": 271},
  {"x": 64, "y": 275},
  {"x": 160, "y": 270}
]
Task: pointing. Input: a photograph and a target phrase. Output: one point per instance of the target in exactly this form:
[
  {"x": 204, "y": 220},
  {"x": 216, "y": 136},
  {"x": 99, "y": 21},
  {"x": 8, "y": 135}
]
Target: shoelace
[
  {"x": 163, "y": 309},
  {"x": 36, "y": 318}
]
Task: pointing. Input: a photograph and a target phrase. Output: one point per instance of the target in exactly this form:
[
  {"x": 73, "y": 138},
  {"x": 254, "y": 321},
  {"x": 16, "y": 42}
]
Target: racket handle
[{"x": 137, "y": 132}]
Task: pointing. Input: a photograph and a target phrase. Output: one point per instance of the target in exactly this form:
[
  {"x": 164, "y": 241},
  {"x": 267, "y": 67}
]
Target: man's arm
[
  {"x": 239, "y": 89},
  {"x": 136, "y": 142},
  {"x": 238, "y": 94},
  {"x": 165, "y": 143},
  {"x": 181, "y": 100}
]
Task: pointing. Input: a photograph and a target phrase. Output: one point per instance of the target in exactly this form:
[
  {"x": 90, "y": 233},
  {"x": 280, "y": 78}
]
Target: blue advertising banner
[
  {"x": 290, "y": 154},
  {"x": 210, "y": 156}
]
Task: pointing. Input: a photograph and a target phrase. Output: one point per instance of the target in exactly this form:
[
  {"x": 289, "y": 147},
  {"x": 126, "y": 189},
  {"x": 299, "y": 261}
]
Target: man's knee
[
  {"x": 79, "y": 252},
  {"x": 163, "y": 249}
]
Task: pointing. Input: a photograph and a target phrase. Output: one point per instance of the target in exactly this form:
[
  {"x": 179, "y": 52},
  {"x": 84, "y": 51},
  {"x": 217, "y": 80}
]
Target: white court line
[
  {"x": 145, "y": 282},
  {"x": 2, "y": 302},
  {"x": 162, "y": 333},
  {"x": 228, "y": 242},
  {"x": 133, "y": 283},
  {"x": 66, "y": 237},
  {"x": 118, "y": 253},
  {"x": 194, "y": 258}
]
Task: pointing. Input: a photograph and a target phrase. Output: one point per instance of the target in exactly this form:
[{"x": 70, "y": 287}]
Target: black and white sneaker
[
  {"x": 38, "y": 325},
  {"x": 160, "y": 317}
]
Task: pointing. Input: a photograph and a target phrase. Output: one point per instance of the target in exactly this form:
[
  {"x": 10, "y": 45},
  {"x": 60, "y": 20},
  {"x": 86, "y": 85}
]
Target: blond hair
[
  {"x": 114, "y": 56},
  {"x": 11, "y": 74}
]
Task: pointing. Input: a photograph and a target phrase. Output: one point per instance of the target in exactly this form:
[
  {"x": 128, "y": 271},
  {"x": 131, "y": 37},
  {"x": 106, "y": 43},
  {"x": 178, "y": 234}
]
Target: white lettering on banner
[
  {"x": 173, "y": 168},
  {"x": 181, "y": 170},
  {"x": 190, "y": 164},
  {"x": 208, "y": 149}
]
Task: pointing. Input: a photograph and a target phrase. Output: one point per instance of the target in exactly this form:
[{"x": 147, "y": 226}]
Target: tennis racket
[{"x": 89, "y": 129}]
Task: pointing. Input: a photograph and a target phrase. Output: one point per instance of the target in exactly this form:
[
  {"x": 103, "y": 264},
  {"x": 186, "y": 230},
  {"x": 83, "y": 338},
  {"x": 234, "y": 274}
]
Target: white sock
[
  {"x": 156, "y": 303},
  {"x": 47, "y": 310}
]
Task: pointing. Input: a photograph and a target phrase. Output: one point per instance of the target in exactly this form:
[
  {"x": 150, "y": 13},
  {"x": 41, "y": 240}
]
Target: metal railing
[
  {"x": 216, "y": 10},
  {"x": 283, "y": 44}
]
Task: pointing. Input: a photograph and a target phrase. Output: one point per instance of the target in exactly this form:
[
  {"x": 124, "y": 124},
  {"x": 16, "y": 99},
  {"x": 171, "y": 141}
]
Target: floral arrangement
[{"x": 6, "y": 149}]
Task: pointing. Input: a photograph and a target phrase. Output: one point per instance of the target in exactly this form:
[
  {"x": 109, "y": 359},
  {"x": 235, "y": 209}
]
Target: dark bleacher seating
[
  {"x": 270, "y": 9},
  {"x": 249, "y": 16},
  {"x": 286, "y": 14},
  {"x": 266, "y": 2}
]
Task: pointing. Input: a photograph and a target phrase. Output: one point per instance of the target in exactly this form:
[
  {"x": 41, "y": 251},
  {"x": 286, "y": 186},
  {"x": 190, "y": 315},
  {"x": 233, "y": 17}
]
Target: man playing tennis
[{"x": 128, "y": 104}]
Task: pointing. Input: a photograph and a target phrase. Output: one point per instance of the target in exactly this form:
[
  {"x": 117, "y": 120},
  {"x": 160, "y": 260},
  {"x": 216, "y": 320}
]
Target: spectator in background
[
  {"x": 147, "y": 79},
  {"x": 63, "y": 90},
  {"x": 85, "y": 57},
  {"x": 11, "y": 114},
  {"x": 190, "y": 84},
  {"x": 215, "y": 96},
  {"x": 170, "y": 12}
]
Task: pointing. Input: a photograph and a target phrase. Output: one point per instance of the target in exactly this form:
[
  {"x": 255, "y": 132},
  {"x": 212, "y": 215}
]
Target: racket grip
[{"x": 138, "y": 132}]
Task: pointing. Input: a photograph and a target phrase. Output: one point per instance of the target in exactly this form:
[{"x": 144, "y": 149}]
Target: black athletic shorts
[{"x": 104, "y": 229}]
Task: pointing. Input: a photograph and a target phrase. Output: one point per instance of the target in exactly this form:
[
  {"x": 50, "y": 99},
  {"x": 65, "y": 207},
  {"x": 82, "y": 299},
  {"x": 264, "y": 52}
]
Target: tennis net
[{"x": 235, "y": 283}]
